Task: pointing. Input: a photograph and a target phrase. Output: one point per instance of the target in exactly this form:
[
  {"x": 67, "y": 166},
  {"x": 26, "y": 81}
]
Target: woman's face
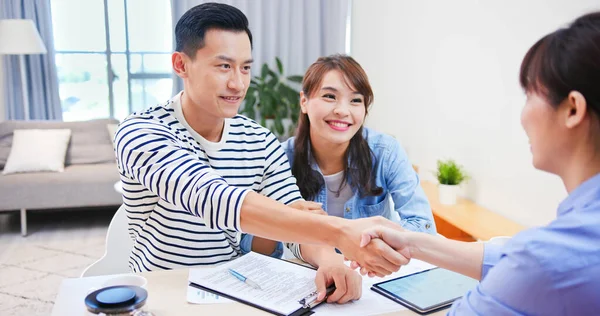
[
  {"x": 546, "y": 133},
  {"x": 336, "y": 111}
]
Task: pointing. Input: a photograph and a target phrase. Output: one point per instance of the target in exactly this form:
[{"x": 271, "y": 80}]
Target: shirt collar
[
  {"x": 315, "y": 166},
  {"x": 582, "y": 195}
]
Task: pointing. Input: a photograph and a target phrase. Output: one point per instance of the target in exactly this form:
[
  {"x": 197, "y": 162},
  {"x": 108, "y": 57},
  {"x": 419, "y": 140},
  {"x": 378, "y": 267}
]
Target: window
[{"x": 112, "y": 73}]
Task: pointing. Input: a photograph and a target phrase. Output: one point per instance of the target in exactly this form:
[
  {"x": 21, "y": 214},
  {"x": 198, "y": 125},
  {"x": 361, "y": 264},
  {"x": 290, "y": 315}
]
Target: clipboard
[
  {"x": 302, "y": 311},
  {"x": 305, "y": 303}
]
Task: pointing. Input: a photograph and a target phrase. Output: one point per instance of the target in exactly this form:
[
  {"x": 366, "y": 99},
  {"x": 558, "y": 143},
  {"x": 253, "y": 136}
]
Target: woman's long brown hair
[{"x": 358, "y": 159}]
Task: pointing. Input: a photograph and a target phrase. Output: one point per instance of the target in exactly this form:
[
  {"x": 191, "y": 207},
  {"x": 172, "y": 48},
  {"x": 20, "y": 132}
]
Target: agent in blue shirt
[
  {"x": 355, "y": 172},
  {"x": 551, "y": 270}
]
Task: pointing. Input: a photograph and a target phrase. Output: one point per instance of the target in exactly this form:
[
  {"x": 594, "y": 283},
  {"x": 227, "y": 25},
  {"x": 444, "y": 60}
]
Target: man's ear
[
  {"x": 303, "y": 101},
  {"x": 576, "y": 109},
  {"x": 179, "y": 61}
]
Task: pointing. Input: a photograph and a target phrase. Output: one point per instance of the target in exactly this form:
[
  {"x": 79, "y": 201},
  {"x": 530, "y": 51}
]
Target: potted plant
[
  {"x": 273, "y": 101},
  {"x": 450, "y": 175}
]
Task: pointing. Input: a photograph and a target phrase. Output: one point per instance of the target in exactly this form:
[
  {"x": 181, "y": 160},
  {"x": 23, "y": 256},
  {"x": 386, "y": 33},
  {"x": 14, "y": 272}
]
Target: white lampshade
[{"x": 18, "y": 37}]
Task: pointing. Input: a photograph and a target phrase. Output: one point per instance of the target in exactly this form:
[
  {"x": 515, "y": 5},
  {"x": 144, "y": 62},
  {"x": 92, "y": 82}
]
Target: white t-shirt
[{"x": 335, "y": 199}]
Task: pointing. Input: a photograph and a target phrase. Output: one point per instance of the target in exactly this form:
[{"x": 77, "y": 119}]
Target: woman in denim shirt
[{"x": 353, "y": 171}]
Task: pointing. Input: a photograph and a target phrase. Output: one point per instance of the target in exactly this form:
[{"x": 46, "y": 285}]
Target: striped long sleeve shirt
[{"x": 183, "y": 193}]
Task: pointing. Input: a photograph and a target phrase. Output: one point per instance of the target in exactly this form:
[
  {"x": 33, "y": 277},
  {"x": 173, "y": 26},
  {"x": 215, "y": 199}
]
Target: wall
[{"x": 445, "y": 76}]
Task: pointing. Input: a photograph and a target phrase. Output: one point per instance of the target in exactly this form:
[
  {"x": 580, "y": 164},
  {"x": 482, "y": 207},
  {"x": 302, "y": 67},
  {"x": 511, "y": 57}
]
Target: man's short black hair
[{"x": 192, "y": 26}]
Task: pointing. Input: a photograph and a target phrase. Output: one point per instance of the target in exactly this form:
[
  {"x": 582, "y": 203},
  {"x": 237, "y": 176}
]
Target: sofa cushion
[
  {"x": 76, "y": 186},
  {"x": 90, "y": 143},
  {"x": 35, "y": 150}
]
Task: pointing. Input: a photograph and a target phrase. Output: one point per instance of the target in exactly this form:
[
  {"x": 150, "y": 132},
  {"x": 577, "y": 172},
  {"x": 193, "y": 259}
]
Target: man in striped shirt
[{"x": 195, "y": 174}]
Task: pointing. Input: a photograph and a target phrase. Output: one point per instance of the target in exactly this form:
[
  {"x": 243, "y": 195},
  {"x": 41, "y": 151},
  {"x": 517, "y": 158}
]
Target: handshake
[{"x": 376, "y": 245}]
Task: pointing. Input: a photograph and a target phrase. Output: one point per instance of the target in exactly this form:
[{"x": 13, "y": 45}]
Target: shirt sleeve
[
  {"x": 515, "y": 285},
  {"x": 404, "y": 186},
  {"x": 491, "y": 256},
  {"x": 246, "y": 246},
  {"x": 149, "y": 154},
  {"x": 278, "y": 182},
  {"x": 295, "y": 250}
]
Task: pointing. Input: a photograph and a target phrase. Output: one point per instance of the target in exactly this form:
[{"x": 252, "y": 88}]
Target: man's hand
[
  {"x": 376, "y": 257},
  {"x": 348, "y": 282},
  {"x": 394, "y": 238},
  {"x": 308, "y": 206}
]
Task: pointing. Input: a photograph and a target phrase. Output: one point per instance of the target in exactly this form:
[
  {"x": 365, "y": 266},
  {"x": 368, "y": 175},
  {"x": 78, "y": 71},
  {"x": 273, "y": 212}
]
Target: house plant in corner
[
  {"x": 450, "y": 175},
  {"x": 273, "y": 101}
]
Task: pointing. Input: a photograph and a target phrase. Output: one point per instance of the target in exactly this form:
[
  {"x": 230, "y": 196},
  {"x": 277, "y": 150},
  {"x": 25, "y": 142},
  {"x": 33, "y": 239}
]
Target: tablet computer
[{"x": 426, "y": 291}]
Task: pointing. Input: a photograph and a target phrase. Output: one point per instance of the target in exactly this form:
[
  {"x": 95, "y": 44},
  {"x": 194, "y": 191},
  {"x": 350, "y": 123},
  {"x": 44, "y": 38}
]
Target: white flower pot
[{"x": 448, "y": 193}]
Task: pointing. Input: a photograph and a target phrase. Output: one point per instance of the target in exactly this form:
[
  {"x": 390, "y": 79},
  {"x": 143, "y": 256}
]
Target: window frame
[{"x": 111, "y": 76}]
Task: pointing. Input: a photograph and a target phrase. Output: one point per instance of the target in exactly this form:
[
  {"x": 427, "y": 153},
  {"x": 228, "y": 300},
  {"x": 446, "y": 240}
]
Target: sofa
[{"x": 88, "y": 179}]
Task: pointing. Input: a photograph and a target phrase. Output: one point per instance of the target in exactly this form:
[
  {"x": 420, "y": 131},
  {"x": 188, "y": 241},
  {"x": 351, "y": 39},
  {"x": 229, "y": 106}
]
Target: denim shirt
[{"x": 395, "y": 175}]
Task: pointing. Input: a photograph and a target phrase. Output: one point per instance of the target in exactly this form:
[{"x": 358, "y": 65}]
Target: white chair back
[{"x": 118, "y": 248}]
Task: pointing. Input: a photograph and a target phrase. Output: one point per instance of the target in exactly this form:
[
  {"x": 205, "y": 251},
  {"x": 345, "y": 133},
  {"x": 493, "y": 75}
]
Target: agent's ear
[
  {"x": 180, "y": 61},
  {"x": 303, "y": 102},
  {"x": 576, "y": 109}
]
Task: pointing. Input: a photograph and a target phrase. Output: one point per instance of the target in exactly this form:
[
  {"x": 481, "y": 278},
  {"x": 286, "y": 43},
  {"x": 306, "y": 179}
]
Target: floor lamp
[{"x": 20, "y": 37}]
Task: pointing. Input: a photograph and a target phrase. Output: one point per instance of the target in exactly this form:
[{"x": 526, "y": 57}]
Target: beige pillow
[
  {"x": 112, "y": 130},
  {"x": 38, "y": 150}
]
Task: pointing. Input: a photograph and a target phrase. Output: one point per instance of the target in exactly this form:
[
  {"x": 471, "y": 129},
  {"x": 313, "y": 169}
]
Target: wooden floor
[{"x": 60, "y": 244}]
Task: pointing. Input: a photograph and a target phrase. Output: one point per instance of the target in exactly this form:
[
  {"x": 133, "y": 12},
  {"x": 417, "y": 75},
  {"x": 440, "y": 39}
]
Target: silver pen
[
  {"x": 310, "y": 300},
  {"x": 244, "y": 279}
]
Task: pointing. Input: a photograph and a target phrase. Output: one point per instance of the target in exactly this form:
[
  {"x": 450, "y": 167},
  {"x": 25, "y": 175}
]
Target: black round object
[{"x": 116, "y": 299}]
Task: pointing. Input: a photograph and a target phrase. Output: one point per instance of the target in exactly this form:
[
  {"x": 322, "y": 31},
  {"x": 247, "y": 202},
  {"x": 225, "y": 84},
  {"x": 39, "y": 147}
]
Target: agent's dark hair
[
  {"x": 192, "y": 26},
  {"x": 359, "y": 153},
  {"x": 564, "y": 61}
]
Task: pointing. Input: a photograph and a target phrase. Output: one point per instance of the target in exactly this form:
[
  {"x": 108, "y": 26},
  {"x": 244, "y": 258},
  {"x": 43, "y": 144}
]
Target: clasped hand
[{"x": 362, "y": 243}]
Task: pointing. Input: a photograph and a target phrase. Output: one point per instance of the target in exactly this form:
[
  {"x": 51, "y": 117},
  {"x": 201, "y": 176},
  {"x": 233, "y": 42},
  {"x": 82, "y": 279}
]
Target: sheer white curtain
[
  {"x": 40, "y": 70},
  {"x": 298, "y": 32}
]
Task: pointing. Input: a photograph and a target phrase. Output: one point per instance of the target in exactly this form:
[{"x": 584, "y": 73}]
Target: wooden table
[
  {"x": 166, "y": 296},
  {"x": 466, "y": 220}
]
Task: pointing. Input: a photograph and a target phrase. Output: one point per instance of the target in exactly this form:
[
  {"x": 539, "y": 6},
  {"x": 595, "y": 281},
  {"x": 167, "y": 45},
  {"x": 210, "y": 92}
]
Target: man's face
[{"x": 217, "y": 78}]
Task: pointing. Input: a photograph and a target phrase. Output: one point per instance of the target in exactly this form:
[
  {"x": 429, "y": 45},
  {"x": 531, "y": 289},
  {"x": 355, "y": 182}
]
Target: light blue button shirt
[
  {"x": 395, "y": 174},
  {"x": 551, "y": 270}
]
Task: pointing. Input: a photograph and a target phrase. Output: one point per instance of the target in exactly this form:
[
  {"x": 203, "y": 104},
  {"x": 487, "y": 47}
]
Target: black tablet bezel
[{"x": 429, "y": 309}]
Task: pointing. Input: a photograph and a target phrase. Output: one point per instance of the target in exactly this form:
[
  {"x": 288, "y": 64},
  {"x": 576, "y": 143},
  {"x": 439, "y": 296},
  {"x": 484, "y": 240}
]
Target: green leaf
[
  {"x": 297, "y": 79},
  {"x": 264, "y": 71},
  {"x": 251, "y": 91},
  {"x": 267, "y": 105},
  {"x": 274, "y": 102},
  {"x": 283, "y": 110},
  {"x": 272, "y": 96},
  {"x": 279, "y": 126},
  {"x": 294, "y": 116},
  {"x": 273, "y": 74},
  {"x": 249, "y": 102},
  {"x": 279, "y": 65},
  {"x": 272, "y": 83},
  {"x": 450, "y": 173}
]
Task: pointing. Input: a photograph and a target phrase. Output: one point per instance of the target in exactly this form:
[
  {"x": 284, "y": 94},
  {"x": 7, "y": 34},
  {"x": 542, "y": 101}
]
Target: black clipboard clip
[{"x": 310, "y": 300}]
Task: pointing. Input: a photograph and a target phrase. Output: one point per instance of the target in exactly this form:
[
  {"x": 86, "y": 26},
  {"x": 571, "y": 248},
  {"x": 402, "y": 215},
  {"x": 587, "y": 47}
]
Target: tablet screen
[{"x": 430, "y": 288}]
